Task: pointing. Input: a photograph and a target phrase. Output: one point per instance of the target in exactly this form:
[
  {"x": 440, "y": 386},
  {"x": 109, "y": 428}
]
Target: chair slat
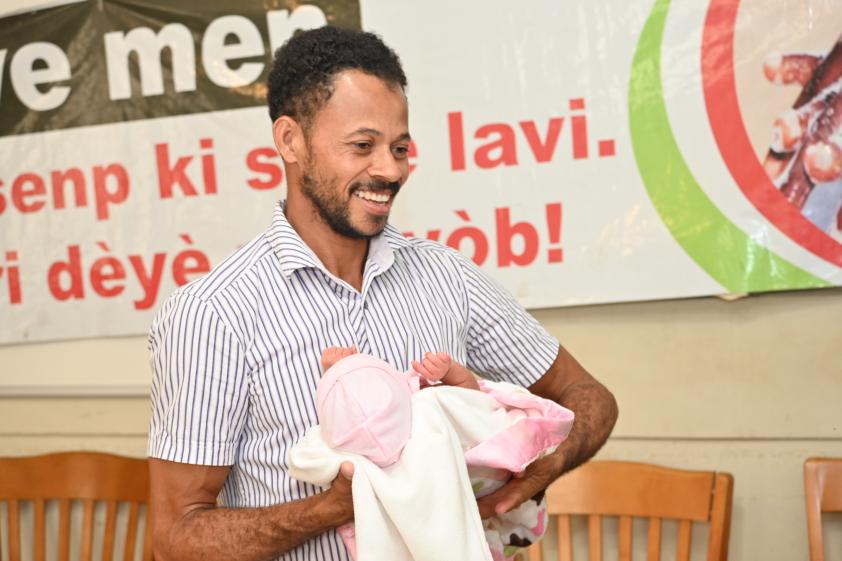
[
  {"x": 87, "y": 530},
  {"x": 131, "y": 533},
  {"x": 625, "y": 538},
  {"x": 70, "y": 478},
  {"x": 812, "y": 495},
  {"x": 720, "y": 518},
  {"x": 630, "y": 490},
  {"x": 534, "y": 553},
  {"x": 684, "y": 533},
  {"x": 14, "y": 530},
  {"x": 40, "y": 538},
  {"x": 64, "y": 530},
  {"x": 823, "y": 493},
  {"x": 653, "y": 540},
  {"x": 565, "y": 538},
  {"x": 147, "y": 538},
  {"x": 595, "y": 537},
  {"x": 108, "y": 533}
]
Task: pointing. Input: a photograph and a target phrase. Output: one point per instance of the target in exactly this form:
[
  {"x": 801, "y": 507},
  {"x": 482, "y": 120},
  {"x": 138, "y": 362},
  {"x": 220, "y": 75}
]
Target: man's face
[{"x": 357, "y": 155}]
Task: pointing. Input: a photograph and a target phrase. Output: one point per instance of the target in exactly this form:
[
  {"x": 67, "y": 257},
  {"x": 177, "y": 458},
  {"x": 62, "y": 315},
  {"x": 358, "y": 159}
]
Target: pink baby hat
[{"x": 364, "y": 407}]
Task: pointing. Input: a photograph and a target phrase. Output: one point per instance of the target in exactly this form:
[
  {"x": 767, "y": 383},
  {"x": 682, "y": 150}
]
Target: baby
[
  {"x": 375, "y": 422},
  {"x": 435, "y": 367}
]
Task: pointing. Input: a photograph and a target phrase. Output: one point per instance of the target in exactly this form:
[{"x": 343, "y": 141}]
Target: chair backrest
[
  {"x": 628, "y": 490},
  {"x": 65, "y": 482},
  {"x": 823, "y": 492}
]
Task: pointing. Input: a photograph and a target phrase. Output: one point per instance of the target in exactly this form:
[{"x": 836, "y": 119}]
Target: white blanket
[{"x": 422, "y": 507}]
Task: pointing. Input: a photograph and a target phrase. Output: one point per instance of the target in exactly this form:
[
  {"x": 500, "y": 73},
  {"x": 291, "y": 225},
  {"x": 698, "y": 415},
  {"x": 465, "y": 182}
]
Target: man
[{"x": 236, "y": 353}]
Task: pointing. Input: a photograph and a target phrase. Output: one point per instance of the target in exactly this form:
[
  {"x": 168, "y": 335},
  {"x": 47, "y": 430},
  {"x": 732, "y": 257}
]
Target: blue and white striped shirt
[{"x": 235, "y": 354}]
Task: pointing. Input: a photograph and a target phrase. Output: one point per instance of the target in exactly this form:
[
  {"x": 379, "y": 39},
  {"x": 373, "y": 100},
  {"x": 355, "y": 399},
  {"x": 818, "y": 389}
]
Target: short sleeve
[
  {"x": 199, "y": 385},
  {"x": 504, "y": 343}
]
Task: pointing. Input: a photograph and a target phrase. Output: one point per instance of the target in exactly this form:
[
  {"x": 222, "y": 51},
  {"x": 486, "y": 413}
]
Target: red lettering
[
  {"x": 168, "y": 176},
  {"x": 181, "y": 270},
  {"x": 411, "y": 155},
  {"x": 109, "y": 185},
  {"x": 258, "y": 161},
  {"x": 506, "y": 233},
  {"x": 70, "y": 269},
  {"x": 20, "y": 194},
  {"x": 477, "y": 237},
  {"x": 150, "y": 282},
  {"x": 456, "y": 130},
  {"x": 103, "y": 195},
  {"x": 505, "y": 143},
  {"x": 208, "y": 167},
  {"x": 543, "y": 151},
  {"x": 107, "y": 270},
  {"x": 13, "y": 272},
  {"x": 580, "y": 136},
  {"x": 553, "y": 212},
  {"x": 74, "y": 176},
  {"x": 577, "y": 103},
  {"x": 606, "y": 148},
  {"x": 501, "y": 139}
]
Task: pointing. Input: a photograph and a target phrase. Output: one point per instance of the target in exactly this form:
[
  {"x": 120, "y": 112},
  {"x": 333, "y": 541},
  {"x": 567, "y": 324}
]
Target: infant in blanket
[
  {"x": 364, "y": 408},
  {"x": 436, "y": 367}
]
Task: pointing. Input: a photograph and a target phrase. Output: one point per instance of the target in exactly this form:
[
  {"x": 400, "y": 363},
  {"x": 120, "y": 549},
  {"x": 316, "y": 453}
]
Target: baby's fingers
[
  {"x": 438, "y": 360},
  {"x": 431, "y": 374}
]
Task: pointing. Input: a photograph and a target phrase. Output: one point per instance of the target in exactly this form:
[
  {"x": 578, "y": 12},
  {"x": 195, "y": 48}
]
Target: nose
[{"x": 386, "y": 167}]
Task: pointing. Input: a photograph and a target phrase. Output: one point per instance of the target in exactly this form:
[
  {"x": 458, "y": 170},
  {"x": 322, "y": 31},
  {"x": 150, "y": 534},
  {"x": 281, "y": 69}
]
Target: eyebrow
[{"x": 375, "y": 132}]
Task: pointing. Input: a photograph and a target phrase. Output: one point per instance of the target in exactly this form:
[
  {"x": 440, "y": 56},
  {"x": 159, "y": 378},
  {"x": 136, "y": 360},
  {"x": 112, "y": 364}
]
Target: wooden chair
[
  {"x": 823, "y": 491},
  {"x": 627, "y": 490},
  {"x": 68, "y": 479}
]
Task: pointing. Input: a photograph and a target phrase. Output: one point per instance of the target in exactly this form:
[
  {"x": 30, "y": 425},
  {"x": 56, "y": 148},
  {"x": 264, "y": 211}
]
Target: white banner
[{"x": 580, "y": 153}]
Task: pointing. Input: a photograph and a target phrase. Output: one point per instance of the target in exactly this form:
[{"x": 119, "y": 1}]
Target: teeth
[{"x": 375, "y": 197}]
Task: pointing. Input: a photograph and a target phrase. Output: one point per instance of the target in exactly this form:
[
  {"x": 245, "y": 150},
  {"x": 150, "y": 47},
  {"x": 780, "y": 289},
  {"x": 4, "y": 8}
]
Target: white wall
[{"x": 752, "y": 387}]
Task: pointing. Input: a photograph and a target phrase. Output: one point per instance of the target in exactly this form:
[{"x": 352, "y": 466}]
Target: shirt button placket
[{"x": 356, "y": 313}]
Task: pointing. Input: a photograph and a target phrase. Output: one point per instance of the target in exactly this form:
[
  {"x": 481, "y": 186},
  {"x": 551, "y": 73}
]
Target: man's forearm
[
  {"x": 249, "y": 534},
  {"x": 596, "y": 412}
]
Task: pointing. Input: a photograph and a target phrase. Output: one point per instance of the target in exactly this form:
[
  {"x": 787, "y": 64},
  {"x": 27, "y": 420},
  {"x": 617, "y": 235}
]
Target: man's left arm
[{"x": 570, "y": 385}]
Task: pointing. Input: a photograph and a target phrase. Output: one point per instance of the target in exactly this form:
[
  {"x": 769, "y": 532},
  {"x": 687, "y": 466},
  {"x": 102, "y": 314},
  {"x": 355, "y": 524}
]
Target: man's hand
[
  {"x": 569, "y": 385},
  {"x": 340, "y": 493},
  {"x": 522, "y": 487},
  {"x": 188, "y": 525}
]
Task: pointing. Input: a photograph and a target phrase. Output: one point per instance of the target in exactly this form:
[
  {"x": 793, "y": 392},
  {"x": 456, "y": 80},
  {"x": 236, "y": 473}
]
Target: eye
[
  {"x": 401, "y": 151},
  {"x": 362, "y": 145}
]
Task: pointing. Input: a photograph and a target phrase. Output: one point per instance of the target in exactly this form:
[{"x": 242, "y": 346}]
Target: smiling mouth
[{"x": 381, "y": 197}]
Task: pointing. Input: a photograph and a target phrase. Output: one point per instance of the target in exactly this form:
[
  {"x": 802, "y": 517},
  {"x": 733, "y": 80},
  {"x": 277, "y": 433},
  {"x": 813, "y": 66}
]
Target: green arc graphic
[{"x": 717, "y": 245}]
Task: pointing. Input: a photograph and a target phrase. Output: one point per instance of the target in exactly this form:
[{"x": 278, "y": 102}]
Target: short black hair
[{"x": 301, "y": 79}]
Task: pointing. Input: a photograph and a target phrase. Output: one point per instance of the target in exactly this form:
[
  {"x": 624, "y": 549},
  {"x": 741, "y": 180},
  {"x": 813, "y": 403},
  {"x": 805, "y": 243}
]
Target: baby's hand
[
  {"x": 434, "y": 366},
  {"x": 332, "y": 355}
]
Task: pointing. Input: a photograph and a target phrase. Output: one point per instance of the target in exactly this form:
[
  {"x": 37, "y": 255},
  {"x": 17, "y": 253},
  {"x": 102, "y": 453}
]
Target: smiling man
[
  {"x": 236, "y": 354},
  {"x": 347, "y": 163}
]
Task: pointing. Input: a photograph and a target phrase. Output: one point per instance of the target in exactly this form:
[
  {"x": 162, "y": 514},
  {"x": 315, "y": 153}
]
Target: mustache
[{"x": 377, "y": 185}]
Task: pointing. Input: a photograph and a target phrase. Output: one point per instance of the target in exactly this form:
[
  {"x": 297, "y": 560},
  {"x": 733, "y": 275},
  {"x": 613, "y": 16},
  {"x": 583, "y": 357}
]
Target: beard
[{"x": 334, "y": 210}]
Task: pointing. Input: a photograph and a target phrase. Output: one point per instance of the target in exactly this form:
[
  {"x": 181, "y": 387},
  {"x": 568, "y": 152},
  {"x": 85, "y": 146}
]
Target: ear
[{"x": 289, "y": 139}]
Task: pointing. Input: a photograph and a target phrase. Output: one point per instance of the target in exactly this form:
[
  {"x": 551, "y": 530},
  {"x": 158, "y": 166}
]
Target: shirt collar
[{"x": 293, "y": 254}]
